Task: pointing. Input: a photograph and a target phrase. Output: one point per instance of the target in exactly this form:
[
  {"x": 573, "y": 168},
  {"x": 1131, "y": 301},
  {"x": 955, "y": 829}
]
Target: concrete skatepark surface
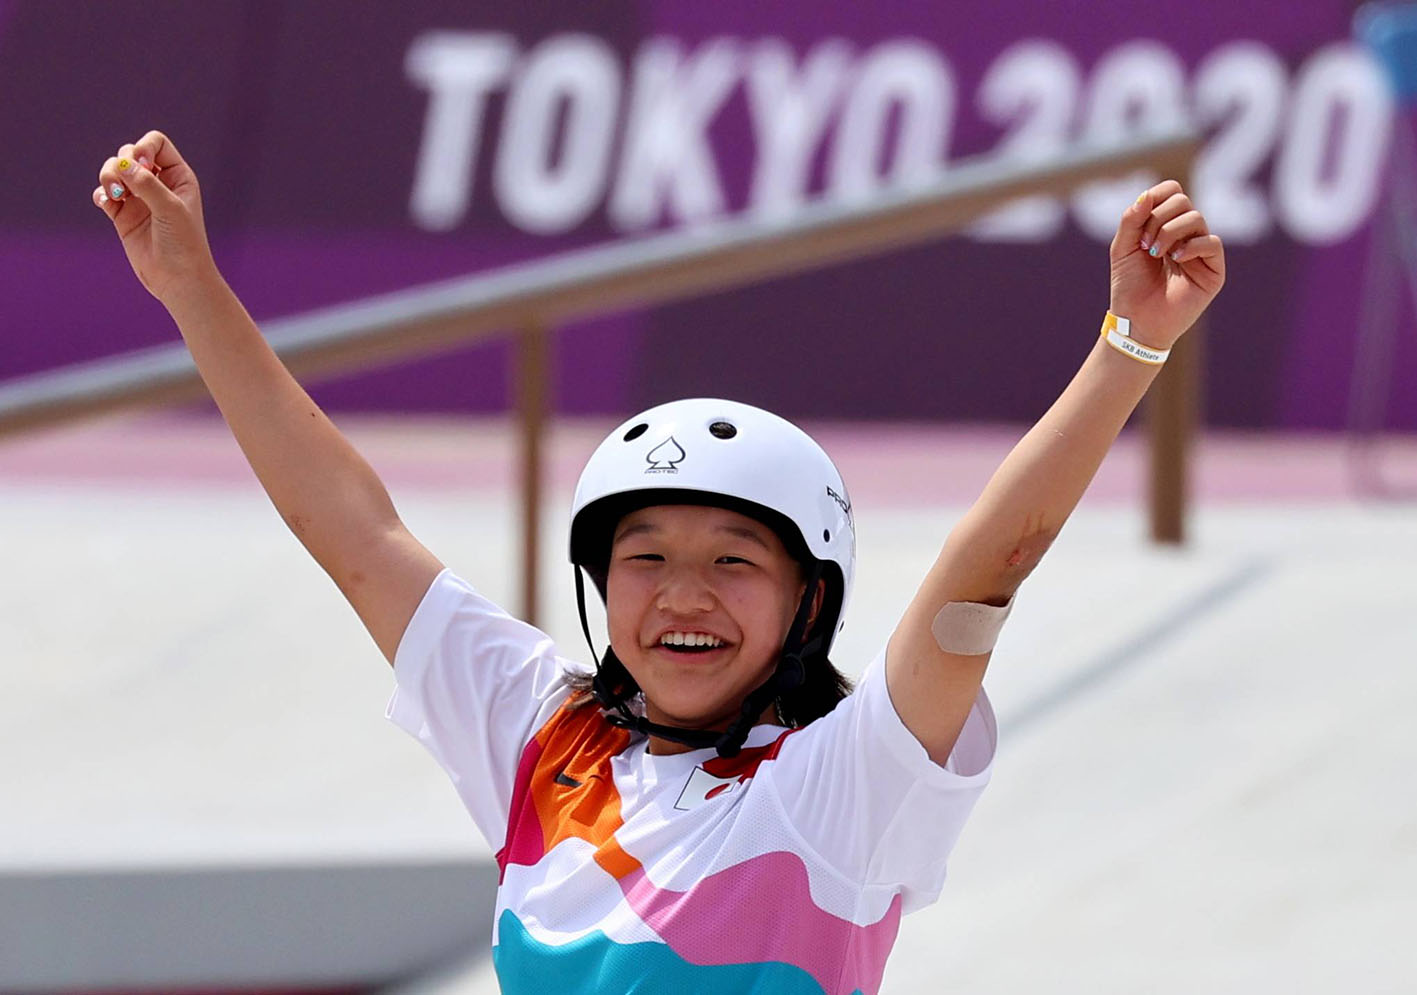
[{"x": 1204, "y": 780}]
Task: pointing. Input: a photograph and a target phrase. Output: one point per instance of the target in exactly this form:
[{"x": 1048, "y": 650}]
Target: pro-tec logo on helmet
[
  {"x": 665, "y": 457},
  {"x": 843, "y": 504}
]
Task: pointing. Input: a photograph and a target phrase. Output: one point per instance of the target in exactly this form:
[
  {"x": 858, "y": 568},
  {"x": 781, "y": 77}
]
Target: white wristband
[{"x": 1118, "y": 333}]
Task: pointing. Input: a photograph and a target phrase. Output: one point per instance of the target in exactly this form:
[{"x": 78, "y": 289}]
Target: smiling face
[{"x": 699, "y": 601}]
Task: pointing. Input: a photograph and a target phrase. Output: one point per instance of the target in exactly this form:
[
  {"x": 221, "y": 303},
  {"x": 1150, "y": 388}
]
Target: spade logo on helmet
[{"x": 665, "y": 457}]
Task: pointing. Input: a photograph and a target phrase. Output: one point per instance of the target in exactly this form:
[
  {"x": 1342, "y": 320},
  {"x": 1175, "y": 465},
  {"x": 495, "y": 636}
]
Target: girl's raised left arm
[{"x": 1166, "y": 267}]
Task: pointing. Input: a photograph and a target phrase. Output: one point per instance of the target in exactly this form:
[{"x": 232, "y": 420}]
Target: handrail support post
[
  {"x": 1173, "y": 410},
  {"x": 532, "y": 391}
]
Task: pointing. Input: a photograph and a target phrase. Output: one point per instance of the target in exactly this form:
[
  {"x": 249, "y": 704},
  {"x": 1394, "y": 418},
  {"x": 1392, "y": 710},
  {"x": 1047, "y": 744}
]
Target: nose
[{"x": 684, "y": 592}]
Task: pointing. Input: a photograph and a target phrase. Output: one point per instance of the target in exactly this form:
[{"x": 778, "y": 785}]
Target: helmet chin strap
[{"x": 789, "y": 673}]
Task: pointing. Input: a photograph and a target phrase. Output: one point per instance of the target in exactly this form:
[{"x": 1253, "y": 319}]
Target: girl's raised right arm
[{"x": 324, "y": 490}]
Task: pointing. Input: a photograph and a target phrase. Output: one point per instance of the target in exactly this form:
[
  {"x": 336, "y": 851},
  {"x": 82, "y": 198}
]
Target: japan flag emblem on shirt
[{"x": 703, "y": 787}]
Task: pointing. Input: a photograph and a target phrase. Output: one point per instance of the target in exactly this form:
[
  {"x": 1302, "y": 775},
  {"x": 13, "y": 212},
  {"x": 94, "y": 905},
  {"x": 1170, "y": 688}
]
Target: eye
[
  {"x": 733, "y": 561},
  {"x": 646, "y": 557}
]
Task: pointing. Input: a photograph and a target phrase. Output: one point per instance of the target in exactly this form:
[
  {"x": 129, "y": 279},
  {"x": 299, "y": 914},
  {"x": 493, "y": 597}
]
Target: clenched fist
[
  {"x": 1166, "y": 265},
  {"x": 150, "y": 194}
]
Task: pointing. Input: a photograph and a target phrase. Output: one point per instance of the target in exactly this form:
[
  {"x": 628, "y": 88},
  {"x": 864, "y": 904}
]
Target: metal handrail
[{"x": 529, "y": 298}]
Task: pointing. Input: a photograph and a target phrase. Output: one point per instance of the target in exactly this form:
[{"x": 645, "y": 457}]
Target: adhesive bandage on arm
[
  {"x": 1118, "y": 333},
  {"x": 968, "y": 628}
]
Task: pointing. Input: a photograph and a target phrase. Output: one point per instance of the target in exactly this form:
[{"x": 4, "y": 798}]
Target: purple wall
[{"x": 327, "y": 139}]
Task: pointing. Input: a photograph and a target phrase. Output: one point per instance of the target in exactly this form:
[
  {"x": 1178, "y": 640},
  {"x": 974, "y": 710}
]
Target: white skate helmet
[
  {"x": 725, "y": 454},
  {"x": 730, "y": 455}
]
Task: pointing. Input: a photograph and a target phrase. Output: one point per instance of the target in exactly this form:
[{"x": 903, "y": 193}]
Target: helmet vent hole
[
  {"x": 723, "y": 430},
  {"x": 637, "y": 431},
  {"x": 826, "y": 535}
]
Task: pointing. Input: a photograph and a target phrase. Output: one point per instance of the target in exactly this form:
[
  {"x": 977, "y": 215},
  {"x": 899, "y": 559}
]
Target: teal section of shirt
[{"x": 595, "y": 964}]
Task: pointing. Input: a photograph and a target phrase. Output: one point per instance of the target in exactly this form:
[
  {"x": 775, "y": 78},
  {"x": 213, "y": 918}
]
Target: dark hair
[{"x": 823, "y": 690}]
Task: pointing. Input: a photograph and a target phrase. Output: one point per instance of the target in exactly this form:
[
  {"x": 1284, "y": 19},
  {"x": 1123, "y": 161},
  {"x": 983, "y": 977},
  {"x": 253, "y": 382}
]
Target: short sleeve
[
  {"x": 864, "y": 794},
  {"x": 473, "y": 684}
]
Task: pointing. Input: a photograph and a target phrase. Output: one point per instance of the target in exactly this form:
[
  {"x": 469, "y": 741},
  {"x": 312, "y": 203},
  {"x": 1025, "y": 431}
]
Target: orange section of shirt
[{"x": 572, "y": 787}]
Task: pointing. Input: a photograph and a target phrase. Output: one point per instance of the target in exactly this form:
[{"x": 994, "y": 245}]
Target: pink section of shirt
[
  {"x": 842, "y": 956},
  {"x": 525, "y": 843}
]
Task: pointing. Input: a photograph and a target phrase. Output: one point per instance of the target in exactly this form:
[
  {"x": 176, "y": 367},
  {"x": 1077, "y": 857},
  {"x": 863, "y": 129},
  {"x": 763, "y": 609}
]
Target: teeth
[{"x": 689, "y": 639}]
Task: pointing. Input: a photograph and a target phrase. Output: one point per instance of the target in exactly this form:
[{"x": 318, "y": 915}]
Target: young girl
[{"x": 710, "y": 809}]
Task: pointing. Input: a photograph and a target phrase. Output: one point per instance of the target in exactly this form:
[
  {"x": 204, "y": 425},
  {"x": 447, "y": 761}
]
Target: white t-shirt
[{"x": 784, "y": 869}]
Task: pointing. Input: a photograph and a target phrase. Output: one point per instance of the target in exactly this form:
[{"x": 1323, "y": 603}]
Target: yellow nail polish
[{"x": 124, "y": 165}]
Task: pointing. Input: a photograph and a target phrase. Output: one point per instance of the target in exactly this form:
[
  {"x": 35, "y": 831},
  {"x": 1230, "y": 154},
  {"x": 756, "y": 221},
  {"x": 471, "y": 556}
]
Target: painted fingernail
[
  {"x": 1154, "y": 251},
  {"x": 100, "y": 198},
  {"x": 1145, "y": 243},
  {"x": 145, "y": 162},
  {"x": 1140, "y": 197},
  {"x": 1176, "y": 256},
  {"x": 116, "y": 191},
  {"x": 125, "y": 165}
]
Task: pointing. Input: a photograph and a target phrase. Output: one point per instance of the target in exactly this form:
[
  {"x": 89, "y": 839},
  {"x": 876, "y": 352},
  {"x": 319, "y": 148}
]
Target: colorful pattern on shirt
[{"x": 725, "y": 931}]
